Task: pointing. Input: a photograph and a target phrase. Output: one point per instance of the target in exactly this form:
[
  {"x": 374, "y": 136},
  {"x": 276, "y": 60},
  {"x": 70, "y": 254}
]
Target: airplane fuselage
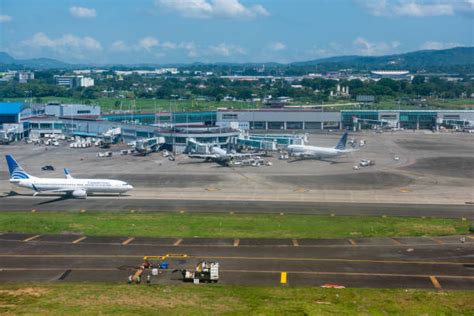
[
  {"x": 87, "y": 185},
  {"x": 314, "y": 151}
]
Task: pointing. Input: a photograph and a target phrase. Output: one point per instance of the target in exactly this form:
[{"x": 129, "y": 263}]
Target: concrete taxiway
[
  {"x": 411, "y": 167},
  {"x": 102, "y": 203},
  {"x": 438, "y": 262}
]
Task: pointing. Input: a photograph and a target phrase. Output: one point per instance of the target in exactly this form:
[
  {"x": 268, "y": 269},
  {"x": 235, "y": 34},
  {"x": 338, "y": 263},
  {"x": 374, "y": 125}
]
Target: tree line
[{"x": 216, "y": 88}]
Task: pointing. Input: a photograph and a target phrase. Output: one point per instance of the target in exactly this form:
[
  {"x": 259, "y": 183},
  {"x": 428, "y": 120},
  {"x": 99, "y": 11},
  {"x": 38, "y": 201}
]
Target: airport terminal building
[{"x": 219, "y": 126}]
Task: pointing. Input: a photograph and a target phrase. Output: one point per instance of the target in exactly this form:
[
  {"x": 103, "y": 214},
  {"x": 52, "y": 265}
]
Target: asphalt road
[
  {"x": 101, "y": 203},
  {"x": 440, "y": 263}
]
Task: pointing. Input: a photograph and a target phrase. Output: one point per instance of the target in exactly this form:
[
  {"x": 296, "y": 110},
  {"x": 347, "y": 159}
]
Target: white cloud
[
  {"x": 423, "y": 9},
  {"x": 213, "y": 8},
  {"x": 365, "y": 47},
  {"x": 433, "y": 45},
  {"x": 226, "y": 50},
  {"x": 67, "y": 41},
  {"x": 169, "y": 45},
  {"x": 148, "y": 42},
  {"x": 417, "y": 8},
  {"x": 67, "y": 46},
  {"x": 278, "y": 46},
  {"x": 5, "y": 18},
  {"x": 119, "y": 46},
  {"x": 82, "y": 12},
  {"x": 190, "y": 48}
]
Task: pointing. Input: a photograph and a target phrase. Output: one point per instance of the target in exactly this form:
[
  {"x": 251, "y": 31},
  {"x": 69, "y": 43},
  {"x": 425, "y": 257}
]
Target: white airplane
[
  {"x": 77, "y": 188},
  {"x": 305, "y": 151},
  {"x": 221, "y": 156}
]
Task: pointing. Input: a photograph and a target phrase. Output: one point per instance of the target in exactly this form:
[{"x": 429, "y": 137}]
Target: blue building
[
  {"x": 10, "y": 112},
  {"x": 11, "y": 128}
]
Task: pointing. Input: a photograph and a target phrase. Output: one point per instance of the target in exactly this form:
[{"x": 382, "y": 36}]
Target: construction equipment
[
  {"x": 205, "y": 272},
  {"x": 152, "y": 267}
]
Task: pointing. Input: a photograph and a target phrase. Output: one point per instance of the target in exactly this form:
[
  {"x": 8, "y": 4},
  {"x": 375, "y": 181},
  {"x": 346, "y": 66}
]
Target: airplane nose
[{"x": 129, "y": 187}]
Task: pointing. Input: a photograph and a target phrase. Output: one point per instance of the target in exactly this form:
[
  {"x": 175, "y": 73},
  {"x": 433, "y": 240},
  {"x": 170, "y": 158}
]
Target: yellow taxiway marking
[
  {"x": 245, "y": 258},
  {"x": 353, "y": 243},
  {"x": 435, "y": 282},
  {"x": 469, "y": 236},
  {"x": 236, "y": 242},
  {"x": 469, "y": 277},
  {"x": 78, "y": 240},
  {"x": 439, "y": 242},
  {"x": 31, "y": 238},
  {"x": 295, "y": 242},
  {"x": 126, "y": 242},
  {"x": 300, "y": 190},
  {"x": 177, "y": 242}
]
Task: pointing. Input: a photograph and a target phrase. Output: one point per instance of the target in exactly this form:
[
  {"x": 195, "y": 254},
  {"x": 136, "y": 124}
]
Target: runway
[
  {"x": 431, "y": 263},
  {"x": 108, "y": 203}
]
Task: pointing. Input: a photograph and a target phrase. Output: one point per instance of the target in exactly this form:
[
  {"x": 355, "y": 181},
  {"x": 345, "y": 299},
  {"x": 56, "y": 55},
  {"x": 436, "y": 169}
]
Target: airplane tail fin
[
  {"x": 68, "y": 175},
  {"x": 342, "y": 142},
  {"x": 16, "y": 171}
]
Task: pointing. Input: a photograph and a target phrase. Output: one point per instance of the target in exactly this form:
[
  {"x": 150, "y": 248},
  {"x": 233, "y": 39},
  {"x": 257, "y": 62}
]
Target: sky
[{"x": 186, "y": 31}]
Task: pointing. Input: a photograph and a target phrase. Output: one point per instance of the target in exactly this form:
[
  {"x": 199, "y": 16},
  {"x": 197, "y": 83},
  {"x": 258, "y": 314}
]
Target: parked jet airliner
[
  {"x": 77, "y": 188},
  {"x": 305, "y": 151}
]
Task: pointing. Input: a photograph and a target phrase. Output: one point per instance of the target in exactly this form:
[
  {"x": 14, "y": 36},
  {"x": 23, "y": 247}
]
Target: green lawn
[
  {"x": 103, "y": 299},
  {"x": 149, "y": 105},
  {"x": 226, "y": 225}
]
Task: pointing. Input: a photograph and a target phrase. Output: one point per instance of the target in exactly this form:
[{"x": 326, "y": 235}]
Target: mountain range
[{"x": 425, "y": 59}]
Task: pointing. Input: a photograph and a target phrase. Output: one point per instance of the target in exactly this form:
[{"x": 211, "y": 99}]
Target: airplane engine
[{"x": 79, "y": 194}]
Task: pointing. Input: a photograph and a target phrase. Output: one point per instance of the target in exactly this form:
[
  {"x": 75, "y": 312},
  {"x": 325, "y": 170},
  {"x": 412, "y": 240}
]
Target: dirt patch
[
  {"x": 28, "y": 291},
  {"x": 459, "y": 167},
  {"x": 352, "y": 181},
  {"x": 435, "y": 145},
  {"x": 165, "y": 180},
  {"x": 154, "y": 298}
]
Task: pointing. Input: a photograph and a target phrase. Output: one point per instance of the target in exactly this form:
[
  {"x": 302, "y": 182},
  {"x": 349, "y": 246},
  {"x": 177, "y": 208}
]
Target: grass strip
[
  {"x": 121, "y": 299},
  {"x": 226, "y": 225}
]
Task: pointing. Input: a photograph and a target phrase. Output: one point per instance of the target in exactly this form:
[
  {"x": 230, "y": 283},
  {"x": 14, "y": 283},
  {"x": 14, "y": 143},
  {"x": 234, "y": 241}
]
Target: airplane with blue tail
[
  {"x": 315, "y": 152},
  {"x": 77, "y": 188}
]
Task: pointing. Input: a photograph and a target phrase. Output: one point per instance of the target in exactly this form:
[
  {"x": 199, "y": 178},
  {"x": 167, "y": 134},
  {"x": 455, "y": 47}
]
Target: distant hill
[
  {"x": 7, "y": 61},
  {"x": 454, "y": 59},
  {"x": 459, "y": 56}
]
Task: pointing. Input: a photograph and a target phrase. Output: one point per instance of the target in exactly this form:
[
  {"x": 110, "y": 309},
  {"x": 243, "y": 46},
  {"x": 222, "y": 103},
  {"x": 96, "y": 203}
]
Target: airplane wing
[
  {"x": 202, "y": 156},
  {"x": 81, "y": 192},
  {"x": 240, "y": 155},
  {"x": 63, "y": 190}
]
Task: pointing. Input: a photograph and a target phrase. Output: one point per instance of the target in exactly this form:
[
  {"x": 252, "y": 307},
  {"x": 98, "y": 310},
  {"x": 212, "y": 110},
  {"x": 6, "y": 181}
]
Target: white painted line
[
  {"x": 79, "y": 240},
  {"x": 177, "y": 242},
  {"x": 236, "y": 242},
  {"x": 435, "y": 282},
  {"x": 126, "y": 242},
  {"x": 396, "y": 241},
  {"x": 31, "y": 238}
]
